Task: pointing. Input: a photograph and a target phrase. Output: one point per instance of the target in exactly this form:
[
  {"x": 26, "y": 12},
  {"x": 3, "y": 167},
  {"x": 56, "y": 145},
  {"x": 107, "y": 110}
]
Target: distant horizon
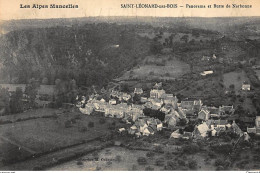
[
  {"x": 131, "y": 17},
  {"x": 24, "y": 9}
]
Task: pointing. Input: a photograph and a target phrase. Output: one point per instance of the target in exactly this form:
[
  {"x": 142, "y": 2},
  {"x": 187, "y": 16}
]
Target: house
[
  {"x": 42, "y": 103},
  {"x": 151, "y": 106},
  {"x": 197, "y": 105},
  {"x": 187, "y": 105},
  {"x": 236, "y": 129},
  {"x": 89, "y": 108},
  {"x": 257, "y": 121},
  {"x": 103, "y": 100},
  {"x": 214, "y": 112},
  {"x": 175, "y": 134},
  {"x": 170, "y": 99},
  {"x": 226, "y": 110},
  {"x": 132, "y": 130},
  {"x": 172, "y": 122},
  {"x": 125, "y": 97},
  {"x": 165, "y": 109},
  {"x": 246, "y": 136},
  {"x": 187, "y": 135},
  {"x": 181, "y": 112},
  {"x": 147, "y": 131},
  {"x": 205, "y": 73},
  {"x": 251, "y": 130},
  {"x": 201, "y": 130},
  {"x": 138, "y": 134},
  {"x": 112, "y": 102},
  {"x": 156, "y": 102},
  {"x": 256, "y": 129},
  {"x": 121, "y": 130},
  {"x": 246, "y": 87},
  {"x": 158, "y": 85},
  {"x": 144, "y": 99},
  {"x": 138, "y": 91},
  {"x": 204, "y": 115},
  {"x": 220, "y": 124},
  {"x": 213, "y": 132},
  {"x": 155, "y": 93},
  {"x": 159, "y": 126}
]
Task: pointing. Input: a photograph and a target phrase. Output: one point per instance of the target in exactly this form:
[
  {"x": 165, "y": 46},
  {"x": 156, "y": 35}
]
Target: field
[
  {"x": 41, "y": 135},
  {"x": 29, "y": 114},
  {"x": 158, "y": 67},
  {"x": 126, "y": 160},
  {"x": 235, "y": 78}
]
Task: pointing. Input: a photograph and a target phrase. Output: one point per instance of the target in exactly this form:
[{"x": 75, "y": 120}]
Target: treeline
[{"x": 65, "y": 91}]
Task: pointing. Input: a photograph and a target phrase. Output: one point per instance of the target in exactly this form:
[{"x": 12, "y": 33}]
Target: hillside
[{"x": 91, "y": 54}]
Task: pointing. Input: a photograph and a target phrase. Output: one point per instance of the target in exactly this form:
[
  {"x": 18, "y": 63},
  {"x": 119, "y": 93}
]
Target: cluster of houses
[
  {"x": 117, "y": 107},
  {"x": 211, "y": 118}
]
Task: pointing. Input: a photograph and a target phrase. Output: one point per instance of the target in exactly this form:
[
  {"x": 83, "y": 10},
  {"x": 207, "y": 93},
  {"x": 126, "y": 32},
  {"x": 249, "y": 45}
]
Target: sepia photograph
[{"x": 127, "y": 85}]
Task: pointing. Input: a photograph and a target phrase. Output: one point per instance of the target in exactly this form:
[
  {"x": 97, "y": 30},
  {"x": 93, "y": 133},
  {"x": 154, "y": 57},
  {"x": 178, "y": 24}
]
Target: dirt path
[{"x": 18, "y": 145}]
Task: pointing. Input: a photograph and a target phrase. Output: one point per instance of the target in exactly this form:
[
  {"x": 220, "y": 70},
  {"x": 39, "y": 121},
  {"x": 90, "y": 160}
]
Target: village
[{"x": 164, "y": 111}]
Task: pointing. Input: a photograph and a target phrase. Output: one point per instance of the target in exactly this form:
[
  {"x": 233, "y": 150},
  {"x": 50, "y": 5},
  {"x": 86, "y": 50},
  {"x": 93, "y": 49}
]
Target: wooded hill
[{"x": 92, "y": 54}]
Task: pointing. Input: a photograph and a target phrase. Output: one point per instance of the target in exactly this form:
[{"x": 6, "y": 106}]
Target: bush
[
  {"x": 220, "y": 168},
  {"x": 134, "y": 167},
  {"x": 211, "y": 154},
  {"x": 170, "y": 166},
  {"x": 192, "y": 164},
  {"x": 91, "y": 124},
  {"x": 181, "y": 163},
  {"x": 79, "y": 163},
  {"x": 118, "y": 158},
  {"x": 150, "y": 154},
  {"x": 159, "y": 149},
  {"x": 219, "y": 162},
  {"x": 159, "y": 162},
  {"x": 68, "y": 124},
  {"x": 190, "y": 148},
  {"x": 83, "y": 129},
  {"x": 142, "y": 161},
  {"x": 149, "y": 168},
  {"x": 73, "y": 120},
  {"x": 168, "y": 156},
  {"x": 224, "y": 149},
  {"x": 256, "y": 158},
  {"x": 102, "y": 121}
]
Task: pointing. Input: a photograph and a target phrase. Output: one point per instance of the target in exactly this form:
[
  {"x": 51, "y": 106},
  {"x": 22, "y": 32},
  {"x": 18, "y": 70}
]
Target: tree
[
  {"x": 192, "y": 164},
  {"x": 156, "y": 47},
  {"x": 185, "y": 38},
  {"x": 232, "y": 86},
  {"x": 45, "y": 81},
  {"x": 142, "y": 161},
  {"x": 190, "y": 148},
  {"x": 16, "y": 104},
  {"x": 4, "y": 101},
  {"x": 31, "y": 91}
]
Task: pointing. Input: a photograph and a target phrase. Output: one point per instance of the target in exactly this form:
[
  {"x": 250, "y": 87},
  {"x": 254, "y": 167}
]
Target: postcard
[{"x": 129, "y": 85}]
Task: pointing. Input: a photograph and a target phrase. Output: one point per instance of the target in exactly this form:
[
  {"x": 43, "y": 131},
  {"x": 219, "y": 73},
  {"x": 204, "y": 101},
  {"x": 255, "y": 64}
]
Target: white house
[
  {"x": 206, "y": 73},
  {"x": 112, "y": 102},
  {"x": 246, "y": 87}
]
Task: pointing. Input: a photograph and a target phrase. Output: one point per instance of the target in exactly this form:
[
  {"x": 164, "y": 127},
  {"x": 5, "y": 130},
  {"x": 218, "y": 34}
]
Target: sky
[{"x": 10, "y": 9}]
